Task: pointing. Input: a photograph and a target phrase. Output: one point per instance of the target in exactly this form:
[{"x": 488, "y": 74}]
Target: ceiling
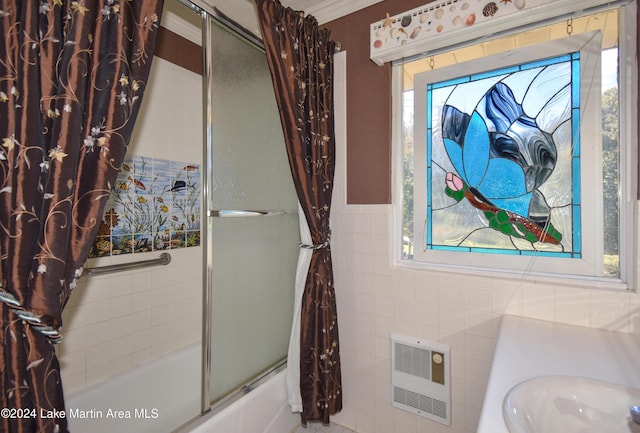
[
  {"x": 329, "y": 10},
  {"x": 244, "y": 11}
]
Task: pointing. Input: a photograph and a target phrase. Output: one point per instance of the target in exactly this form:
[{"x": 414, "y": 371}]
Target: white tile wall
[
  {"x": 115, "y": 322},
  {"x": 319, "y": 428},
  {"x": 374, "y": 299}
]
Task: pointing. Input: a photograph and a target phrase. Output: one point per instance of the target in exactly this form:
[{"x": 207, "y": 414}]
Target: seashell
[
  {"x": 424, "y": 17},
  {"x": 404, "y": 42},
  {"x": 439, "y": 29},
  {"x": 464, "y": 6},
  {"x": 406, "y": 20},
  {"x": 439, "y": 13},
  {"x": 377, "y": 43},
  {"x": 490, "y": 9},
  {"x": 457, "y": 21},
  {"x": 452, "y": 8},
  {"x": 415, "y": 32},
  {"x": 470, "y": 20},
  {"x": 520, "y": 3},
  {"x": 394, "y": 32},
  {"x": 380, "y": 32}
]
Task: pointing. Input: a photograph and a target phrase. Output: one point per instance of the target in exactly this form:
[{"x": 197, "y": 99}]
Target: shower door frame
[{"x": 211, "y": 16}]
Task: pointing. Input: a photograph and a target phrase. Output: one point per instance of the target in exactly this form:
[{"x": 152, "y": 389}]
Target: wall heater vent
[{"x": 420, "y": 377}]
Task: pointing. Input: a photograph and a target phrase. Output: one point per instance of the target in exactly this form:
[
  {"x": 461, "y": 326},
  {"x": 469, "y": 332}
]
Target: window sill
[{"x": 573, "y": 281}]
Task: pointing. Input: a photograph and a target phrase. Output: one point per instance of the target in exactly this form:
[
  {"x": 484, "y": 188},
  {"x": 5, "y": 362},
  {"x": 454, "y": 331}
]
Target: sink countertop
[{"x": 528, "y": 348}]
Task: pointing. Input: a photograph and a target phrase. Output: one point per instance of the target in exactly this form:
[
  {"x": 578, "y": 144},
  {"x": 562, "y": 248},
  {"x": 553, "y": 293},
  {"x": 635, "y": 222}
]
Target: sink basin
[{"x": 567, "y": 404}]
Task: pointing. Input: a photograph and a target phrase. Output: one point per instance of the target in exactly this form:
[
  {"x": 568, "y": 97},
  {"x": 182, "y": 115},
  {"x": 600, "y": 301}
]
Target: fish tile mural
[{"x": 154, "y": 205}]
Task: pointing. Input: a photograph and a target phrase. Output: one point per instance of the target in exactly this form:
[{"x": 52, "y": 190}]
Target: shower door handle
[{"x": 235, "y": 213}]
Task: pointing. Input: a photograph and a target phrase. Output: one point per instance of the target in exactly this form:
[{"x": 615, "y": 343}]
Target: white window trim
[
  {"x": 628, "y": 76},
  {"x": 628, "y": 114}
]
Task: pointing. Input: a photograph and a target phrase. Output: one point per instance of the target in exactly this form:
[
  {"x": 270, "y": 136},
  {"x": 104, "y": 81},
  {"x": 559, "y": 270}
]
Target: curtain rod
[
  {"x": 200, "y": 7},
  {"x": 214, "y": 13}
]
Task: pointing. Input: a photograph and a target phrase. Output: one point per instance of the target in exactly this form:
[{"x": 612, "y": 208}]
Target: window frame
[{"x": 525, "y": 269}]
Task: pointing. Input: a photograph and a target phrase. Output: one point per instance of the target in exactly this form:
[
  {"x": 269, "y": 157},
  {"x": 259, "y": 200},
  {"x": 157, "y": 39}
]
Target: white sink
[{"x": 567, "y": 404}]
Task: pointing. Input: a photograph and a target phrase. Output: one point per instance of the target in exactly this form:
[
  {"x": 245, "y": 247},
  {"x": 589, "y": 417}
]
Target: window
[{"x": 515, "y": 155}]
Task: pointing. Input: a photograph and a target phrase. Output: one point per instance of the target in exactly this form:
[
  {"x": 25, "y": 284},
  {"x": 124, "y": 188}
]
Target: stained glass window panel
[{"x": 503, "y": 160}]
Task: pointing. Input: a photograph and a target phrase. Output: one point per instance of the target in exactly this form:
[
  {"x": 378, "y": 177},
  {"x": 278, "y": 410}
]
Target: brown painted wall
[
  {"x": 368, "y": 105},
  {"x": 179, "y": 51}
]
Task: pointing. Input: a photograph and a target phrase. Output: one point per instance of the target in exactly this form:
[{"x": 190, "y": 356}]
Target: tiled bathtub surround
[
  {"x": 376, "y": 298},
  {"x": 118, "y": 321}
]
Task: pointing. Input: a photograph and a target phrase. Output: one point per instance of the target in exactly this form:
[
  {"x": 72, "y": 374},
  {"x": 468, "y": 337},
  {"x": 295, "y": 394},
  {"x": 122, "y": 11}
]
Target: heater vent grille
[
  {"x": 413, "y": 360},
  {"x": 420, "y": 378},
  {"x": 420, "y": 402},
  {"x": 440, "y": 408}
]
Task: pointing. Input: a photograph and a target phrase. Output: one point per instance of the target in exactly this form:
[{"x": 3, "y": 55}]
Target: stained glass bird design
[{"x": 500, "y": 172}]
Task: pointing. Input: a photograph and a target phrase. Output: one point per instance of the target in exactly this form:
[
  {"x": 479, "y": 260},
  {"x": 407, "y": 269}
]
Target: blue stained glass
[
  {"x": 576, "y": 132},
  {"x": 450, "y": 82},
  {"x": 492, "y": 250},
  {"x": 577, "y": 190},
  {"x": 575, "y": 70},
  {"x": 491, "y": 74},
  {"x": 577, "y": 234},
  {"x": 429, "y": 186},
  {"x": 493, "y": 155},
  {"x": 445, "y": 248},
  {"x": 429, "y": 103},
  {"x": 546, "y": 62},
  {"x": 429, "y": 233},
  {"x": 543, "y": 254}
]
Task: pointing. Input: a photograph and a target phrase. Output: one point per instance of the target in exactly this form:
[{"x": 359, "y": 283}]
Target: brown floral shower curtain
[
  {"x": 300, "y": 57},
  {"x": 72, "y": 76}
]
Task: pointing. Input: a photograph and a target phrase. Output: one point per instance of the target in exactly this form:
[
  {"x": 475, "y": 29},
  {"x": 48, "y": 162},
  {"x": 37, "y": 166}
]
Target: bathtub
[
  {"x": 263, "y": 410},
  {"x": 164, "y": 394}
]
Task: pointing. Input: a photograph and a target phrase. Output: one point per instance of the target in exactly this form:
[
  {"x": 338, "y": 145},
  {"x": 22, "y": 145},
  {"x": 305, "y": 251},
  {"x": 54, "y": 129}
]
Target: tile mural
[{"x": 154, "y": 206}]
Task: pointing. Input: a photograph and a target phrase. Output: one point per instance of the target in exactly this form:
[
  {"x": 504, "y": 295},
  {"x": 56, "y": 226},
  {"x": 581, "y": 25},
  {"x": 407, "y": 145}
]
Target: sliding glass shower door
[{"x": 253, "y": 221}]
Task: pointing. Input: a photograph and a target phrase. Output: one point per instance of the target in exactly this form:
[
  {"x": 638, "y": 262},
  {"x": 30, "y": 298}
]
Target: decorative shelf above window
[{"x": 450, "y": 23}]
